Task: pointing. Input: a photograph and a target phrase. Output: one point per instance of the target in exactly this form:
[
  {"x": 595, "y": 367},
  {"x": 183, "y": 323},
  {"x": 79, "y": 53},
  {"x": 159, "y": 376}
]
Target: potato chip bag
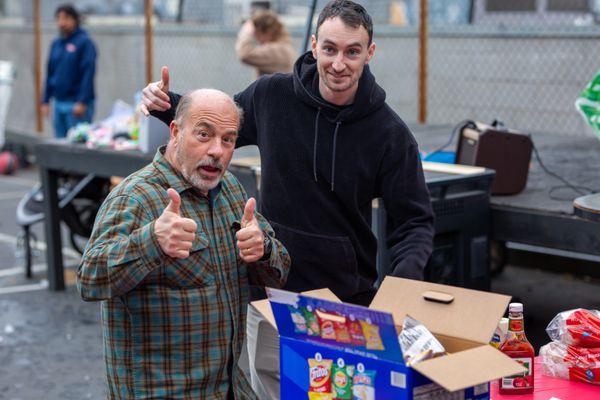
[
  {"x": 372, "y": 337},
  {"x": 363, "y": 385},
  {"x": 356, "y": 334},
  {"x": 298, "y": 319},
  {"x": 312, "y": 324},
  {"x": 326, "y": 324},
  {"x": 342, "y": 334},
  {"x": 342, "y": 381},
  {"x": 319, "y": 376}
]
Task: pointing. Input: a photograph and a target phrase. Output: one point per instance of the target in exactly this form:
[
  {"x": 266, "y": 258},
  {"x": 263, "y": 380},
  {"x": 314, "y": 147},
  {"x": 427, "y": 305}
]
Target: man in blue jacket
[
  {"x": 70, "y": 73},
  {"x": 329, "y": 144}
]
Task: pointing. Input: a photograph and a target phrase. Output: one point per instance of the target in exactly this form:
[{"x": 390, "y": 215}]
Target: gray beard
[{"x": 195, "y": 177}]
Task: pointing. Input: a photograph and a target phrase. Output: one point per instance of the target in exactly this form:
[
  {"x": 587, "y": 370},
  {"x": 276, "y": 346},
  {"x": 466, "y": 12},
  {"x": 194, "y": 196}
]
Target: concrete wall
[{"x": 528, "y": 80}]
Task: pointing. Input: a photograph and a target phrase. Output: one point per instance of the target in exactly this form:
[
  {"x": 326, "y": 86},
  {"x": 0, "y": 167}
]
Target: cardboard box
[{"x": 462, "y": 320}]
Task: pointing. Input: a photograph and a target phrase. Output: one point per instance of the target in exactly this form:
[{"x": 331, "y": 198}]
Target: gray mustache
[{"x": 210, "y": 163}]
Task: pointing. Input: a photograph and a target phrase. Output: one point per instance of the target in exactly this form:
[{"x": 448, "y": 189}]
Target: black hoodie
[{"x": 322, "y": 165}]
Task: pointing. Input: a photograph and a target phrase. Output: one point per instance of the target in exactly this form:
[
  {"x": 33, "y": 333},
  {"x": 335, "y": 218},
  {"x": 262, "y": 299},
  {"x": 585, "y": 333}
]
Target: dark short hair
[
  {"x": 70, "y": 11},
  {"x": 351, "y": 13}
]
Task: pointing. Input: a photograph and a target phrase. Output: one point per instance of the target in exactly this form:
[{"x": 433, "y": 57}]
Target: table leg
[{"x": 52, "y": 230}]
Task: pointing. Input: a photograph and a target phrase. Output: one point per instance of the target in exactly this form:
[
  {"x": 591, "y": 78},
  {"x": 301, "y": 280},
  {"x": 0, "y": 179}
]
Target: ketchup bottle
[{"x": 519, "y": 349}]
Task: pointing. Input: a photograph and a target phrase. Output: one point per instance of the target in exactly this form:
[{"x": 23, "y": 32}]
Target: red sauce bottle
[{"x": 518, "y": 348}]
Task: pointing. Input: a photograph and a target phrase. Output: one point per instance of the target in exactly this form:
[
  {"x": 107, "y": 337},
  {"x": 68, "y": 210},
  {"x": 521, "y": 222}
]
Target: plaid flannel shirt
[{"x": 173, "y": 328}]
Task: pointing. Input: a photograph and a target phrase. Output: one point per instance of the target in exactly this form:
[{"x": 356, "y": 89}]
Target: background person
[
  {"x": 170, "y": 268},
  {"x": 70, "y": 73},
  {"x": 264, "y": 43}
]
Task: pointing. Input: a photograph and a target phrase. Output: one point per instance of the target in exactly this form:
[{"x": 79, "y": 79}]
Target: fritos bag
[{"x": 319, "y": 378}]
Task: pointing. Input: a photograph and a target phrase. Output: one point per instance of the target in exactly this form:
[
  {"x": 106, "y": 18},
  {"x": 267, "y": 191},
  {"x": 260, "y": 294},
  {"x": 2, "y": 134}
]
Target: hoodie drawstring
[
  {"x": 315, "y": 146},
  {"x": 335, "y": 132}
]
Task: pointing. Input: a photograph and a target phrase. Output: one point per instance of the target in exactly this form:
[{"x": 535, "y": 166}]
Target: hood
[{"x": 369, "y": 96}]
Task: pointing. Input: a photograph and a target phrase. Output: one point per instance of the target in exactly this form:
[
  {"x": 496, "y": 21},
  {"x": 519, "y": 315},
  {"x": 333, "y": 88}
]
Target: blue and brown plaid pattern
[{"x": 173, "y": 328}]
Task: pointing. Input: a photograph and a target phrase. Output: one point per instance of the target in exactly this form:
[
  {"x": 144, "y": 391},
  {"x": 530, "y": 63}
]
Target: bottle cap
[{"x": 515, "y": 307}]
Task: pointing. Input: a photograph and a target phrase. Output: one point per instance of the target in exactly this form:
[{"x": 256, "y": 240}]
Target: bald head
[{"x": 205, "y": 99}]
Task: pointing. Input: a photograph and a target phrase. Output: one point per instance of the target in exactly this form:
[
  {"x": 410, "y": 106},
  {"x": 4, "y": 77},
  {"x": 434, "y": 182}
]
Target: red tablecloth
[{"x": 546, "y": 388}]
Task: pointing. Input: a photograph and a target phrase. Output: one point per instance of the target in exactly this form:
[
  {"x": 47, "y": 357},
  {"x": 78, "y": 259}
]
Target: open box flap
[
  {"x": 469, "y": 368},
  {"x": 264, "y": 307},
  {"x": 447, "y": 310},
  {"x": 329, "y": 324}
]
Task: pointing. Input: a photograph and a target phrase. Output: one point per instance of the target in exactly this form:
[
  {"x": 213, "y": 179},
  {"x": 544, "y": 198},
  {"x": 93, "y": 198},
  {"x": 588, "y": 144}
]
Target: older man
[{"x": 171, "y": 260}]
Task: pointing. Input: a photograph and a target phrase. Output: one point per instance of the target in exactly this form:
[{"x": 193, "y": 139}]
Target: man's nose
[
  {"x": 216, "y": 149},
  {"x": 338, "y": 62}
]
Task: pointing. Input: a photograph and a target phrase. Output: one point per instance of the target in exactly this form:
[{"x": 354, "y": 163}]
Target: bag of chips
[
  {"x": 342, "y": 381},
  {"x": 298, "y": 319},
  {"x": 312, "y": 324},
  {"x": 372, "y": 337},
  {"x": 363, "y": 385},
  {"x": 417, "y": 343},
  {"x": 326, "y": 324},
  {"x": 319, "y": 377},
  {"x": 356, "y": 334}
]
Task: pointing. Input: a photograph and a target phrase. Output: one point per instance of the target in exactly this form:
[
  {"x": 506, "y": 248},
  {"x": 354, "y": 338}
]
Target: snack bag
[
  {"x": 372, "y": 337},
  {"x": 577, "y": 327},
  {"x": 363, "y": 385},
  {"x": 312, "y": 324},
  {"x": 356, "y": 334},
  {"x": 342, "y": 381},
  {"x": 298, "y": 319},
  {"x": 342, "y": 334},
  {"x": 319, "y": 377},
  {"x": 417, "y": 343},
  {"x": 326, "y": 322},
  {"x": 571, "y": 362}
]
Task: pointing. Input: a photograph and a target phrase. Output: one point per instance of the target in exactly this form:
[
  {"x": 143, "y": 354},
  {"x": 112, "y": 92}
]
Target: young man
[
  {"x": 330, "y": 144},
  {"x": 171, "y": 261},
  {"x": 70, "y": 73}
]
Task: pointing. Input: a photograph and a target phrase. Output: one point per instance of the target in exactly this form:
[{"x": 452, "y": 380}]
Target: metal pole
[
  {"x": 308, "y": 29},
  {"x": 423, "y": 34},
  {"x": 148, "y": 33},
  {"x": 37, "y": 61}
]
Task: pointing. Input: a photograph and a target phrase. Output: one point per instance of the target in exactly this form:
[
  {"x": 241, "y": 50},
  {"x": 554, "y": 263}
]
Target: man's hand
[
  {"x": 155, "y": 96},
  {"x": 175, "y": 234},
  {"x": 250, "y": 239},
  {"x": 248, "y": 28},
  {"x": 79, "y": 109},
  {"x": 45, "y": 110}
]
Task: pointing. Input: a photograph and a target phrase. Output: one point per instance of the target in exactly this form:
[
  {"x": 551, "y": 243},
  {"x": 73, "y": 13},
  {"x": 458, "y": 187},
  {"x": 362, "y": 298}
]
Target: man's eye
[
  {"x": 202, "y": 134},
  {"x": 229, "y": 140},
  {"x": 353, "y": 52},
  {"x": 328, "y": 50}
]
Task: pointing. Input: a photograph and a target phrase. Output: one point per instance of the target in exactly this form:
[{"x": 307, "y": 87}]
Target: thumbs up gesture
[
  {"x": 155, "y": 96},
  {"x": 175, "y": 234},
  {"x": 250, "y": 239}
]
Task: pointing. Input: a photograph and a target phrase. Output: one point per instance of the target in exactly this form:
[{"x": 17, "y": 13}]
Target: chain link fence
[{"x": 521, "y": 61}]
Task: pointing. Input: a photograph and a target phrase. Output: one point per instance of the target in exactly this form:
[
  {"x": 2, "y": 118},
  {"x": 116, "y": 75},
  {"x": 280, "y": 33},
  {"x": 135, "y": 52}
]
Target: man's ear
[
  {"x": 174, "y": 132},
  {"x": 370, "y": 52},
  {"x": 313, "y": 45}
]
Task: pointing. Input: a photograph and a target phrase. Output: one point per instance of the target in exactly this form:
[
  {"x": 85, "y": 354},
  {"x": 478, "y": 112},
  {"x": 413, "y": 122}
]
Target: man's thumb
[
  {"x": 249, "y": 211},
  {"x": 164, "y": 78},
  {"x": 175, "y": 202}
]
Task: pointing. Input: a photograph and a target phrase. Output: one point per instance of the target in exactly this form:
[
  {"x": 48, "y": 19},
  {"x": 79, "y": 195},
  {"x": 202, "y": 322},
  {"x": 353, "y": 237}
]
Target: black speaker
[{"x": 505, "y": 151}]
